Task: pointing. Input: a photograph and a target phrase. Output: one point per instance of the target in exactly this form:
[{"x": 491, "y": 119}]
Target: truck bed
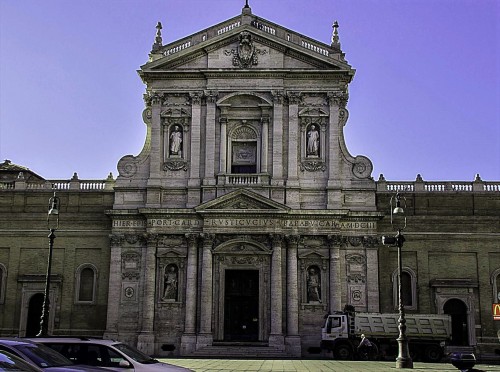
[{"x": 417, "y": 326}]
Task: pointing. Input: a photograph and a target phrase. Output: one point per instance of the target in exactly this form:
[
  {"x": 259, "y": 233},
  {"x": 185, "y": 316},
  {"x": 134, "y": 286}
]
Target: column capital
[
  {"x": 208, "y": 239},
  {"x": 336, "y": 241},
  {"x": 294, "y": 98},
  {"x": 211, "y": 95},
  {"x": 196, "y": 97},
  {"x": 276, "y": 239},
  {"x": 278, "y": 96},
  {"x": 116, "y": 240},
  {"x": 338, "y": 98},
  {"x": 192, "y": 239},
  {"x": 293, "y": 239},
  {"x": 152, "y": 239}
]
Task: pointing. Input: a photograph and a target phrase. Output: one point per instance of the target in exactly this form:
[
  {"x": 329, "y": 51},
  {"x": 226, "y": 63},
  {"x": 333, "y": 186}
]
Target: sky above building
[{"x": 425, "y": 98}]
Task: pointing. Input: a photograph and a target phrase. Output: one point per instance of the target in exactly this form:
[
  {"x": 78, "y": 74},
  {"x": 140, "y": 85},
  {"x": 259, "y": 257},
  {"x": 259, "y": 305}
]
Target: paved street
[{"x": 213, "y": 365}]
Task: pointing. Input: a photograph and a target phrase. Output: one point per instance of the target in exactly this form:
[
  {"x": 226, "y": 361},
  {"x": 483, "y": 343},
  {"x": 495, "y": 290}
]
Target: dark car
[
  {"x": 41, "y": 356},
  {"x": 109, "y": 354},
  {"x": 10, "y": 362}
]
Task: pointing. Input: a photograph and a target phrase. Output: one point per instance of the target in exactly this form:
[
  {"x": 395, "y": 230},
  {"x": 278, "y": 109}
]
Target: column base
[
  {"x": 146, "y": 343},
  {"x": 204, "y": 340},
  {"x": 277, "y": 341},
  {"x": 188, "y": 344},
  {"x": 293, "y": 346}
]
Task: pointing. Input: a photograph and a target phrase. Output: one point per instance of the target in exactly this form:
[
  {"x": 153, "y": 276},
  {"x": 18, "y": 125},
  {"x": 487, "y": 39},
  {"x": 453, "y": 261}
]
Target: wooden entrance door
[{"x": 241, "y": 305}]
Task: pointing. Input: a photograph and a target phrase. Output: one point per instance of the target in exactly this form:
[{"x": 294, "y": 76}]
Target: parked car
[
  {"x": 41, "y": 356},
  {"x": 109, "y": 354},
  {"x": 10, "y": 362}
]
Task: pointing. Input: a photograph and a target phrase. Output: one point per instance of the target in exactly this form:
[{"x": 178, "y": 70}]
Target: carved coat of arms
[{"x": 246, "y": 54}]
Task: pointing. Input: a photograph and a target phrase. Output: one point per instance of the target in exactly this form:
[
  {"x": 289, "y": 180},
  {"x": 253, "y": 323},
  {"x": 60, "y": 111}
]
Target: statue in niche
[
  {"x": 170, "y": 283},
  {"x": 313, "y": 285},
  {"x": 176, "y": 141},
  {"x": 313, "y": 141}
]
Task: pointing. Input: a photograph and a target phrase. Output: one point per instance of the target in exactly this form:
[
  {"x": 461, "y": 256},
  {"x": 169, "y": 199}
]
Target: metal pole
[
  {"x": 403, "y": 360},
  {"x": 44, "y": 320}
]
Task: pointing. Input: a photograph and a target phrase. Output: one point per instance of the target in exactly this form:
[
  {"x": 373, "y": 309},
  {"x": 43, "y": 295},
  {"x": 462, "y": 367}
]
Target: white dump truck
[{"x": 427, "y": 334}]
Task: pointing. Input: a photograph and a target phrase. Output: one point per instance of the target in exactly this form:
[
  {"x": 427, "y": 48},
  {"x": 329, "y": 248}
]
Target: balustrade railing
[
  {"x": 438, "y": 186},
  {"x": 63, "y": 185}
]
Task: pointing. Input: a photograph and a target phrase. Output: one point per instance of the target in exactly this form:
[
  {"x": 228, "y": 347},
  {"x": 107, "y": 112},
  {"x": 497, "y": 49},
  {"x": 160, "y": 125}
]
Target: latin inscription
[
  {"x": 246, "y": 222},
  {"x": 129, "y": 223},
  {"x": 262, "y": 222}
]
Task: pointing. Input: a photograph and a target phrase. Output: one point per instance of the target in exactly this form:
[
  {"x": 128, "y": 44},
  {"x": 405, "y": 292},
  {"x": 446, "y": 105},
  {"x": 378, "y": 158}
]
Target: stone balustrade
[
  {"x": 416, "y": 186},
  {"x": 63, "y": 185},
  {"x": 419, "y": 185},
  {"x": 266, "y": 27}
]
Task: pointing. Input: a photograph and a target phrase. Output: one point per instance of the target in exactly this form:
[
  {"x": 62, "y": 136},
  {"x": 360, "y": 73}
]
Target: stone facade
[{"x": 244, "y": 218}]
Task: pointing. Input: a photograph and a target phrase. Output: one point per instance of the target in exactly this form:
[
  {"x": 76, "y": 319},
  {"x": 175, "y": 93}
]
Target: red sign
[{"x": 495, "y": 310}]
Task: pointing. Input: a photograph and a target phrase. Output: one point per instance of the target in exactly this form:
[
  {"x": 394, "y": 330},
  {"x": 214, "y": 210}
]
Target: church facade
[{"x": 244, "y": 219}]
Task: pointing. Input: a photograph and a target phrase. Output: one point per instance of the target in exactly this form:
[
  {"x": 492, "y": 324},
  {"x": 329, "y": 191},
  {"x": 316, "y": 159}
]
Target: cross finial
[
  {"x": 246, "y": 4},
  {"x": 158, "y": 40},
  {"x": 335, "y": 36}
]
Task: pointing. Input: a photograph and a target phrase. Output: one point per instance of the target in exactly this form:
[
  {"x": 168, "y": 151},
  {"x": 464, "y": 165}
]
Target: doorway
[
  {"x": 34, "y": 315},
  {"x": 241, "y": 305},
  {"x": 458, "y": 311}
]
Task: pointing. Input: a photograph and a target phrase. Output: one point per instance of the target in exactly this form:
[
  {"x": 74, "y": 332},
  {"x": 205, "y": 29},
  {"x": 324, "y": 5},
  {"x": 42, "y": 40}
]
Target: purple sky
[{"x": 425, "y": 98}]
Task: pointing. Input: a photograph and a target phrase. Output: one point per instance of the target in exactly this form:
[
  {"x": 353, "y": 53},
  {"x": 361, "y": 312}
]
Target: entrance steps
[{"x": 240, "y": 350}]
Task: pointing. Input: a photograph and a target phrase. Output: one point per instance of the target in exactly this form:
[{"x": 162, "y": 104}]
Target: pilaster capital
[
  {"x": 208, "y": 240},
  {"x": 337, "y": 241},
  {"x": 294, "y": 98},
  {"x": 278, "y": 96},
  {"x": 293, "y": 239},
  {"x": 192, "y": 239},
  {"x": 116, "y": 240},
  {"x": 152, "y": 239},
  {"x": 276, "y": 239},
  {"x": 338, "y": 98},
  {"x": 196, "y": 97},
  {"x": 154, "y": 98},
  {"x": 211, "y": 96}
]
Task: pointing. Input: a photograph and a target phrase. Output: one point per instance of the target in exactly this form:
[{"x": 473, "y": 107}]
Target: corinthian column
[
  {"x": 210, "y": 139},
  {"x": 195, "y": 149},
  {"x": 188, "y": 340},
  {"x": 205, "y": 337},
  {"x": 292, "y": 339},
  {"x": 115, "y": 286},
  {"x": 292, "y": 198},
  {"x": 276, "y": 337},
  {"x": 145, "y": 340}
]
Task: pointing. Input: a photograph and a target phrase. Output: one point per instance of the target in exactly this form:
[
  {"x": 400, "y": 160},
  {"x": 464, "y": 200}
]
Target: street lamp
[
  {"x": 403, "y": 360},
  {"x": 52, "y": 225}
]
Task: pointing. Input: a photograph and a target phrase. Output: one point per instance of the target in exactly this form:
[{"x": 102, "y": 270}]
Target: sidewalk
[{"x": 213, "y": 365}]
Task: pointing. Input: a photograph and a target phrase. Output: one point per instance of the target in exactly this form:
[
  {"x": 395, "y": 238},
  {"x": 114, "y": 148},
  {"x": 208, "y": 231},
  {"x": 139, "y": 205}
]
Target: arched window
[
  {"x": 408, "y": 289},
  {"x": 86, "y": 282},
  {"x": 495, "y": 284},
  {"x": 3, "y": 282}
]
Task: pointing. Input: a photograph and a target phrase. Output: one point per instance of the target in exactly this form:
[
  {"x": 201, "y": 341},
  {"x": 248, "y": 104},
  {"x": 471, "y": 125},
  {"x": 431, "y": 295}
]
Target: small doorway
[
  {"x": 458, "y": 311},
  {"x": 241, "y": 305},
  {"x": 34, "y": 315}
]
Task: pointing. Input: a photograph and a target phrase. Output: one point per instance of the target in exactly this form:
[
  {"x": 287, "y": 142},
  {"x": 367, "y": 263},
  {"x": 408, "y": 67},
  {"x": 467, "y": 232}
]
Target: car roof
[
  {"x": 12, "y": 341},
  {"x": 56, "y": 339}
]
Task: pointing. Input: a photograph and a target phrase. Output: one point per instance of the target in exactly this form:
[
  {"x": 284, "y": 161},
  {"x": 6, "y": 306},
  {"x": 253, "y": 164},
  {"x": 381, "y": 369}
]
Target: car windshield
[
  {"x": 135, "y": 354},
  {"x": 43, "y": 356}
]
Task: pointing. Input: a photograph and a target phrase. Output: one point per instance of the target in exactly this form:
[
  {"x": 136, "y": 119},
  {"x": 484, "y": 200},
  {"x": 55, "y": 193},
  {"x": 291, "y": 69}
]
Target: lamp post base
[{"x": 404, "y": 363}]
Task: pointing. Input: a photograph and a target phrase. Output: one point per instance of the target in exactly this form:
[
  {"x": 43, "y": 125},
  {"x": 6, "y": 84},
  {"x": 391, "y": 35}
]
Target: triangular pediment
[
  {"x": 250, "y": 43},
  {"x": 244, "y": 201}
]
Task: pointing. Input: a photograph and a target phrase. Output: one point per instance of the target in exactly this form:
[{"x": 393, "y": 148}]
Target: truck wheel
[
  {"x": 433, "y": 354},
  {"x": 342, "y": 352}
]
